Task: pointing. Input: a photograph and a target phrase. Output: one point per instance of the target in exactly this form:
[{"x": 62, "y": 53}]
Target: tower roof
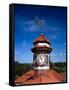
[
  {"x": 46, "y": 76},
  {"x": 41, "y": 38}
]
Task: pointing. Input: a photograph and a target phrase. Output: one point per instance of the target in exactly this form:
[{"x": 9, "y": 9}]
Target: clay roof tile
[
  {"x": 41, "y": 38},
  {"x": 48, "y": 76}
]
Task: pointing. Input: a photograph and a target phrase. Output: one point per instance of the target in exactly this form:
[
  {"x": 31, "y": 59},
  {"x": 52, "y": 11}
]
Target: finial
[{"x": 41, "y": 33}]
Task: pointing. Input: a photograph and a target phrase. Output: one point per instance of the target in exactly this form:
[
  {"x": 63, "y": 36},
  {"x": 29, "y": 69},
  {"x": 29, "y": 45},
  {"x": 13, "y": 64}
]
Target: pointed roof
[{"x": 41, "y": 38}]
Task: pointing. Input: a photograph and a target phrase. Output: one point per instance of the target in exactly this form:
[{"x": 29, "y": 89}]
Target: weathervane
[{"x": 39, "y": 22}]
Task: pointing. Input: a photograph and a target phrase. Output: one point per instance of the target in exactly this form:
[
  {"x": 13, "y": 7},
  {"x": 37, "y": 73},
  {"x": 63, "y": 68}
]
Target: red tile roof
[
  {"x": 41, "y": 38},
  {"x": 46, "y": 76},
  {"x": 24, "y": 77}
]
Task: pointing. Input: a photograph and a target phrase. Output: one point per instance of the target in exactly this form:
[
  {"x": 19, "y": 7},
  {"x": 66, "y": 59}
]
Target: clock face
[{"x": 41, "y": 59}]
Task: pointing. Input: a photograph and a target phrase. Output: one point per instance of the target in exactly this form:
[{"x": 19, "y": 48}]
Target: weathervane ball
[{"x": 42, "y": 33}]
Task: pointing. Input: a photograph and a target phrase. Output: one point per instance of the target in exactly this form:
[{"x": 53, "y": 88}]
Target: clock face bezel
[{"x": 41, "y": 59}]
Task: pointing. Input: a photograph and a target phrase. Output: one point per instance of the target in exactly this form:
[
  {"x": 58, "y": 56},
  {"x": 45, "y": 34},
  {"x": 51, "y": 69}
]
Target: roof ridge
[{"x": 41, "y": 38}]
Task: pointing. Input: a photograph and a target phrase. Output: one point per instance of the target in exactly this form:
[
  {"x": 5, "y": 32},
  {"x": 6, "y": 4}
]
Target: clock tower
[
  {"x": 41, "y": 60},
  {"x": 41, "y": 53}
]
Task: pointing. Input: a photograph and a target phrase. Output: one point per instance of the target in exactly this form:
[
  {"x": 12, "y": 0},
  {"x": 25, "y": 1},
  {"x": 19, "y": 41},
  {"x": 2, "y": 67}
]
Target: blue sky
[{"x": 26, "y": 31}]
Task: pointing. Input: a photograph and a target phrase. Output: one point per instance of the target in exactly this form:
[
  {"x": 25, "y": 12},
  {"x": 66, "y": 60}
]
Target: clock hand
[{"x": 40, "y": 57}]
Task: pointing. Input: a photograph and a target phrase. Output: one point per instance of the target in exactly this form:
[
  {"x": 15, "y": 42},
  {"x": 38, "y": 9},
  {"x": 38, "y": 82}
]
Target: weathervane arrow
[{"x": 39, "y": 22}]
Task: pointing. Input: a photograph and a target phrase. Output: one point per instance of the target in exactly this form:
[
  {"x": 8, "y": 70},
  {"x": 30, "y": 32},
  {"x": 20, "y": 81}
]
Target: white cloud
[
  {"x": 53, "y": 36},
  {"x": 65, "y": 44},
  {"x": 64, "y": 54},
  {"x": 61, "y": 54},
  {"x": 30, "y": 26},
  {"x": 29, "y": 22},
  {"x": 24, "y": 44},
  {"x": 53, "y": 54},
  {"x": 16, "y": 52}
]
